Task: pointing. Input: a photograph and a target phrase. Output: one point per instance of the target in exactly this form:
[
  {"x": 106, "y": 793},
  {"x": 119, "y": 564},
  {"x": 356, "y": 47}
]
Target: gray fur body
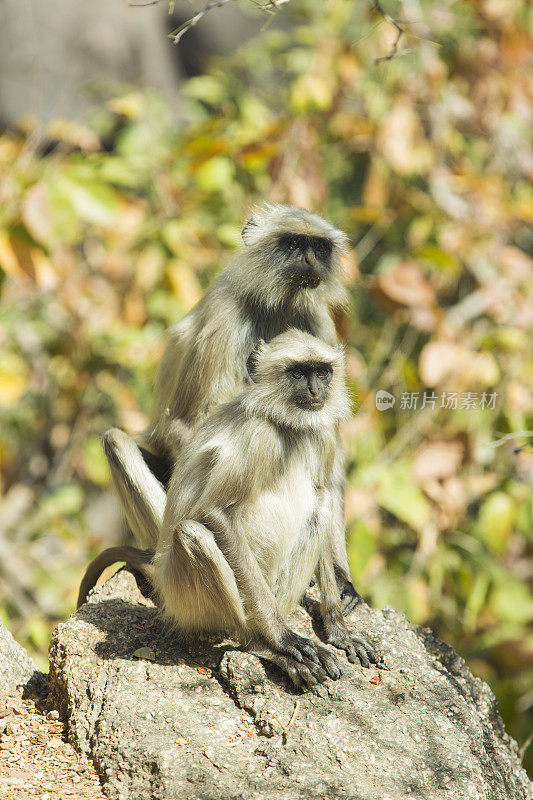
[
  {"x": 249, "y": 512},
  {"x": 258, "y": 296},
  {"x": 284, "y": 519}
]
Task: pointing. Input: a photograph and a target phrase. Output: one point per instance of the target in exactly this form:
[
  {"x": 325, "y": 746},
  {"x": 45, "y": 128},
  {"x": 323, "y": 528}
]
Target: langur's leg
[
  {"x": 266, "y": 633},
  {"x": 336, "y": 631},
  {"x": 195, "y": 582},
  {"x": 350, "y": 598},
  {"x": 141, "y": 495},
  {"x": 138, "y": 559}
]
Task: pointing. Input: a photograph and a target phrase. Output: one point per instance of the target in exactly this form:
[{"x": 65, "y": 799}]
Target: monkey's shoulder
[
  {"x": 232, "y": 429},
  {"x": 216, "y": 310}
]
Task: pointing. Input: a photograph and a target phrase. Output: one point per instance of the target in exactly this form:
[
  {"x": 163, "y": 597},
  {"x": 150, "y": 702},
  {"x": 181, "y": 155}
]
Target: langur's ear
[
  {"x": 251, "y": 363},
  {"x": 248, "y": 228}
]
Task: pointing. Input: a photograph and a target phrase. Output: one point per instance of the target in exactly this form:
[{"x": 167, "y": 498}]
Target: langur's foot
[
  {"x": 355, "y": 648},
  {"x": 306, "y": 663}
]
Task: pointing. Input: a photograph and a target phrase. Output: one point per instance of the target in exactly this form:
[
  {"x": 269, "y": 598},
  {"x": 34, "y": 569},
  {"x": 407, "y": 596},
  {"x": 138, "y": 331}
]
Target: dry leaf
[
  {"x": 437, "y": 460},
  {"x": 401, "y": 141},
  {"x": 516, "y": 264},
  {"x": 184, "y": 284},
  {"x": 73, "y": 133},
  {"x": 145, "y": 653},
  {"x": 465, "y": 369},
  {"x": 9, "y": 261},
  {"x": 36, "y": 214},
  {"x": 406, "y": 284}
]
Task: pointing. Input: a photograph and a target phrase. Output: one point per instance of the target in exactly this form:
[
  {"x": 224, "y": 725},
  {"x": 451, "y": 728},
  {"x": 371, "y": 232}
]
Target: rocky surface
[
  {"x": 16, "y": 667},
  {"x": 35, "y": 761},
  {"x": 161, "y": 719}
]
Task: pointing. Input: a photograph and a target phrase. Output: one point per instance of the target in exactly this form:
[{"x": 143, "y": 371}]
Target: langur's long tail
[{"x": 140, "y": 560}]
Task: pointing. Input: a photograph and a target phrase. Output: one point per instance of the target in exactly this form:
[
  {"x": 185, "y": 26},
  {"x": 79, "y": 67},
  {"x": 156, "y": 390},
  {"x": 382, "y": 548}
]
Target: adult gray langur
[
  {"x": 249, "y": 513},
  {"x": 286, "y": 275}
]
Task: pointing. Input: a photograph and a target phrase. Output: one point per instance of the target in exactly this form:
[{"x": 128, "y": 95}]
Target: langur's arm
[
  {"x": 330, "y": 609},
  {"x": 236, "y": 476},
  {"x": 176, "y": 434},
  {"x": 350, "y": 598},
  {"x": 259, "y": 602},
  {"x": 269, "y": 634}
]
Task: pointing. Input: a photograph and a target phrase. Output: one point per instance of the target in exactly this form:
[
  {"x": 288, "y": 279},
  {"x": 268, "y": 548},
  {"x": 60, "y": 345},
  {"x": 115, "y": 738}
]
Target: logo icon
[{"x": 384, "y": 400}]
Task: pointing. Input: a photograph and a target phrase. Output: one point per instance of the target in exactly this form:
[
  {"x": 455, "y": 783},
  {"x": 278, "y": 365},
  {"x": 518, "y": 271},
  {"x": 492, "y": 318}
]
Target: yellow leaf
[
  {"x": 36, "y": 213},
  {"x": 215, "y": 174},
  {"x": 45, "y": 275},
  {"x": 524, "y": 210},
  {"x": 418, "y": 606},
  {"x": 184, "y": 283},
  {"x": 131, "y": 105},
  {"x": 375, "y": 191},
  {"x": 365, "y": 214},
  {"x": 8, "y": 259},
  {"x": 14, "y": 379},
  {"x": 311, "y": 93},
  {"x": 401, "y": 141},
  {"x": 73, "y": 133}
]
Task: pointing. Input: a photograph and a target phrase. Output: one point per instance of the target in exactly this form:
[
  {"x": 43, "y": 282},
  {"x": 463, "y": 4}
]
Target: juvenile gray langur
[
  {"x": 287, "y": 275},
  {"x": 249, "y": 513}
]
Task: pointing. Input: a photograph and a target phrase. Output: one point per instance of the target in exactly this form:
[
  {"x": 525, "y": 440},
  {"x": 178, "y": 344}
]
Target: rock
[
  {"x": 45, "y": 66},
  {"x": 208, "y": 721},
  {"x": 16, "y": 667}
]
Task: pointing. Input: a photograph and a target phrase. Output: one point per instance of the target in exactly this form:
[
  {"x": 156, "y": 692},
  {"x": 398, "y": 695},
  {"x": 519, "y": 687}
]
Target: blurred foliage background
[{"x": 113, "y": 230}]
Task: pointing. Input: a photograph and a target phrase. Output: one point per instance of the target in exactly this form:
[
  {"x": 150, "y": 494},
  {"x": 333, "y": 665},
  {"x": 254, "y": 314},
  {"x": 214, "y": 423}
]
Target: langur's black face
[
  {"x": 309, "y": 382},
  {"x": 307, "y": 259}
]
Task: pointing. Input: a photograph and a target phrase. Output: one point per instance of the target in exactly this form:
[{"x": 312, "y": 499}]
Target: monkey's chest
[{"x": 286, "y": 532}]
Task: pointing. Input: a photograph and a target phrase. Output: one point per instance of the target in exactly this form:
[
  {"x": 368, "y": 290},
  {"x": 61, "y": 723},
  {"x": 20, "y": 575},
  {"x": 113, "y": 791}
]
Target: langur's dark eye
[
  {"x": 322, "y": 248},
  {"x": 323, "y": 373},
  {"x": 294, "y": 243},
  {"x": 297, "y": 373}
]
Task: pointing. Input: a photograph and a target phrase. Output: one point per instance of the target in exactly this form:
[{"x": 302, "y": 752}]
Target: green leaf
[
  {"x": 476, "y": 600},
  {"x": 94, "y": 202},
  {"x": 512, "y": 601},
  {"x": 397, "y": 493},
  {"x": 215, "y": 174},
  {"x": 495, "y": 523},
  {"x": 205, "y": 88},
  {"x": 66, "y": 500},
  {"x": 362, "y": 545},
  {"x": 144, "y": 652},
  {"x": 95, "y": 462}
]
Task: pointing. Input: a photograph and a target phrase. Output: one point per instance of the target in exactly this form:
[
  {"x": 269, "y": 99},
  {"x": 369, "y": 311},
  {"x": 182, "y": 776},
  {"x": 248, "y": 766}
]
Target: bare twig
[
  {"x": 272, "y": 5},
  {"x": 523, "y": 747},
  {"x": 179, "y": 33},
  {"x": 287, "y": 728},
  {"x": 509, "y": 438}
]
